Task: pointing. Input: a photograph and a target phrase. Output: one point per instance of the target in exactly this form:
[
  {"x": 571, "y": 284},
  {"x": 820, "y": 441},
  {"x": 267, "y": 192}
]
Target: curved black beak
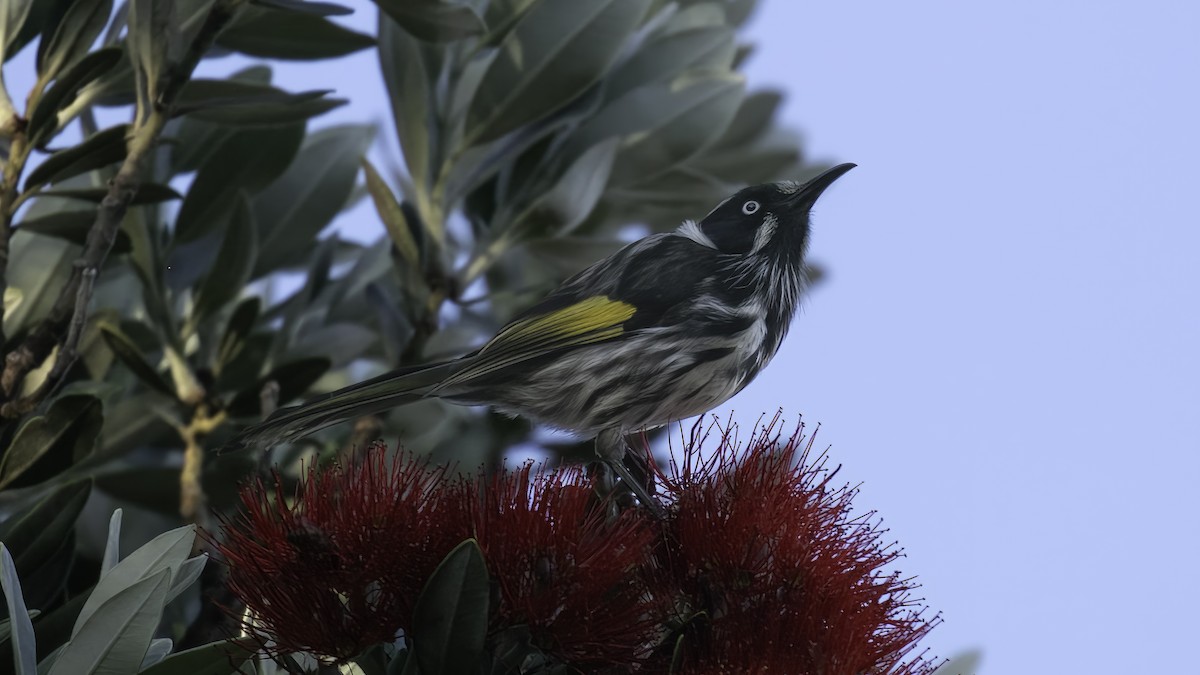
[{"x": 808, "y": 193}]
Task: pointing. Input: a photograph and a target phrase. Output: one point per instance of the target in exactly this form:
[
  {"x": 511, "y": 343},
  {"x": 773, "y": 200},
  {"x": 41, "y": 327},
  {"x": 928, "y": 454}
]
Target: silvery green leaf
[
  {"x": 189, "y": 572},
  {"x": 157, "y": 651},
  {"x": 557, "y": 50},
  {"x": 82, "y": 23},
  {"x": 112, "y": 546},
  {"x": 112, "y": 639},
  {"x": 72, "y": 226},
  {"x": 410, "y": 90},
  {"x": 306, "y": 7},
  {"x": 451, "y": 614},
  {"x": 23, "y": 641},
  {"x": 38, "y": 268},
  {"x": 304, "y": 200},
  {"x": 669, "y": 56},
  {"x": 166, "y": 552},
  {"x": 695, "y": 117},
  {"x": 576, "y": 193},
  {"x": 433, "y": 20},
  {"x": 215, "y": 658}
]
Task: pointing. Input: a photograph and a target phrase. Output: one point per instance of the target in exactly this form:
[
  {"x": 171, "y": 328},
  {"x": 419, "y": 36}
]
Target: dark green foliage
[{"x": 532, "y": 132}]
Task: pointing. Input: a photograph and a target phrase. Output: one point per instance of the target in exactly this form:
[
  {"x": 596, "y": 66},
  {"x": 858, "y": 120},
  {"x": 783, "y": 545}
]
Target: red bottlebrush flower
[
  {"x": 339, "y": 566},
  {"x": 565, "y": 568},
  {"x": 774, "y": 574}
]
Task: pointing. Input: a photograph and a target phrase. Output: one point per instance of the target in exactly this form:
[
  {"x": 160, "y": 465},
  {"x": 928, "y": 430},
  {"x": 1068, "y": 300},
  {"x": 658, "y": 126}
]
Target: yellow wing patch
[
  {"x": 591, "y": 320},
  {"x": 584, "y": 318}
]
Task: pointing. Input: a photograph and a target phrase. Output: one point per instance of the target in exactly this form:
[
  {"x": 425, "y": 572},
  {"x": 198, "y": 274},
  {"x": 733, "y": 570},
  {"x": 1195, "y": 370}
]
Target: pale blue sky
[{"x": 1005, "y": 352}]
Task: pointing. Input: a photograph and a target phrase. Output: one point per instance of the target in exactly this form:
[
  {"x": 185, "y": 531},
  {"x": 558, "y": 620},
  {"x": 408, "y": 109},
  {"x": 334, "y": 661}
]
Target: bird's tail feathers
[{"x": 375, "y": 395}]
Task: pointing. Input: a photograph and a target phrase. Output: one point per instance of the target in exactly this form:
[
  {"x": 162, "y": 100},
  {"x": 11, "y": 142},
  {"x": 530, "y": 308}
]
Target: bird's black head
[{"x": 771, "y": 216}]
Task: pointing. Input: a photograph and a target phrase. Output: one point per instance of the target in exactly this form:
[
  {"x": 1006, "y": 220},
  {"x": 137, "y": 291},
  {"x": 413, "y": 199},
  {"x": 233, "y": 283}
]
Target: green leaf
[
  {"x": 434, "y": 20},
  {"x": 43, "y": 123},
  {"x": 294, "y": 378},
  {"x": 966, "y": 663},
  {"x": 241, "y": 322},
  {"x": 112, "y": 545},
  {"x": 305, "y": 7},
  {"x": 21, "y": 626},
  {"x": 388, "y": 208},
  {"x": 245, "y": 161},
  {"x": 235, "y": 262},
  {"x": 410, "y": 91},
  {"x": 164, "y": 553},
  {"x": 113, "y": 638},
  {"x": 670, "y": 56},
  {"x": 214, "y": 658},
  {"x": 557, "y": 50},
  {"x": 72, "y": 226},
  {"x": 451, "y": 615},
  {"x": 101, "y": 149},
  {"x": 151, "y": 35},
  {"x": 69, "y": 429},
  {"x": 294, "y": 209},
  {"x": 78, "y": 29},
  {"x": 196, "y": 140},
  {"x": 248, "y": 104},
  {"x": 290, "y": 35},
  {"x": 13, "y": 14},
  {"x": 573, "y": 197},
  {"x": 157, "y": 651},
  {"x": 36, "y": 532},
  {"x": 147, "y": 193},
  {"x": 131, "y": 356}
]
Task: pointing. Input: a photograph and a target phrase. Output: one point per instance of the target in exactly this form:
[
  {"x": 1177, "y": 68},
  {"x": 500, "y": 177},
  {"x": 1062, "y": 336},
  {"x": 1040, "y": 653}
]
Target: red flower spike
[
  {"x": 563, "y": 568},
  {"x": 338, "y": 567},
  {"x": 764, "y": 549}
]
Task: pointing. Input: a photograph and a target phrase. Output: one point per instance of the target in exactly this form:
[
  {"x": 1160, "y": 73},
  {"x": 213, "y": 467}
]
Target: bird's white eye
[{"x": 750, "y": 208}]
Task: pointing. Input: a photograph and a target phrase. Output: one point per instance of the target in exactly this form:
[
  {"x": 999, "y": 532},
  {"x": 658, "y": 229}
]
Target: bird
[{"x": 668, "y": 327}]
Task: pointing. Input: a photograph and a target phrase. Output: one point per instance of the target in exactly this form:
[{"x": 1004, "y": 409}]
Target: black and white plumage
[{"x": 668, "y": 327}]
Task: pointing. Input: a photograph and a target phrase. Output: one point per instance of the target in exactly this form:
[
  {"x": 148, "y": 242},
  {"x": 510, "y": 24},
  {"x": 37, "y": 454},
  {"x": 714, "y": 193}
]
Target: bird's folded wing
[{"x": 586, "y": 321}]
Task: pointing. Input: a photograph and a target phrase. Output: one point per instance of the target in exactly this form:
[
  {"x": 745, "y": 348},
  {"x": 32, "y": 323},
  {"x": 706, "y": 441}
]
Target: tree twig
[{"x": 55, "y": 329}]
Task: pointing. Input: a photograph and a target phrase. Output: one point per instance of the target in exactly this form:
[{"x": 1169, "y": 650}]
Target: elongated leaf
[
  {"x": 147, "y": 193},
  {"x": 37, "y": 531},
  {"x": 293, "y": 378},
  {"x": 68, "y": 429},
  {"x": 20, "y": 625},
  {"x": 682, "y": 132},
  {"x": 13, "y": 14},
  {"x": 410, "y": 90},
  {"x": 43, "y": 123},
  {"x": 113, "y": 639},
  {"x": 247, "y": 161},
  {"x": 165, "y": 553},
  {"x": 99, "y": 150},
  {"x": 241, "y": 322},
  {"x": 572, "y": 199},
  {"x": 451, "y": 615},
  {"x": 235, "y": 262},
  {"x": 72, "y": 226},
  {"x": 112, "y": 545},
  {"x": 670, "y": 56},
  {"x": 153, "y": 32},
  {"x": 306, "y": 7},
  {"x": 558, "y": 49},
  {"x": 433, "y": 20},
  {"x": 214, "y": 658},
  {"x": 290, "y": 35},
  {"x": 197, "y": 140},
  {"x": 157, "y": 651},
  {"x": 131, "y": 356},
  {"x": 78, "y": 29},
  {"x": 388, "y": 208},
  {"x": 189, "y": 572},
  {"x": 294, "y": 209},
  {"x": 248, "y": 104}
]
